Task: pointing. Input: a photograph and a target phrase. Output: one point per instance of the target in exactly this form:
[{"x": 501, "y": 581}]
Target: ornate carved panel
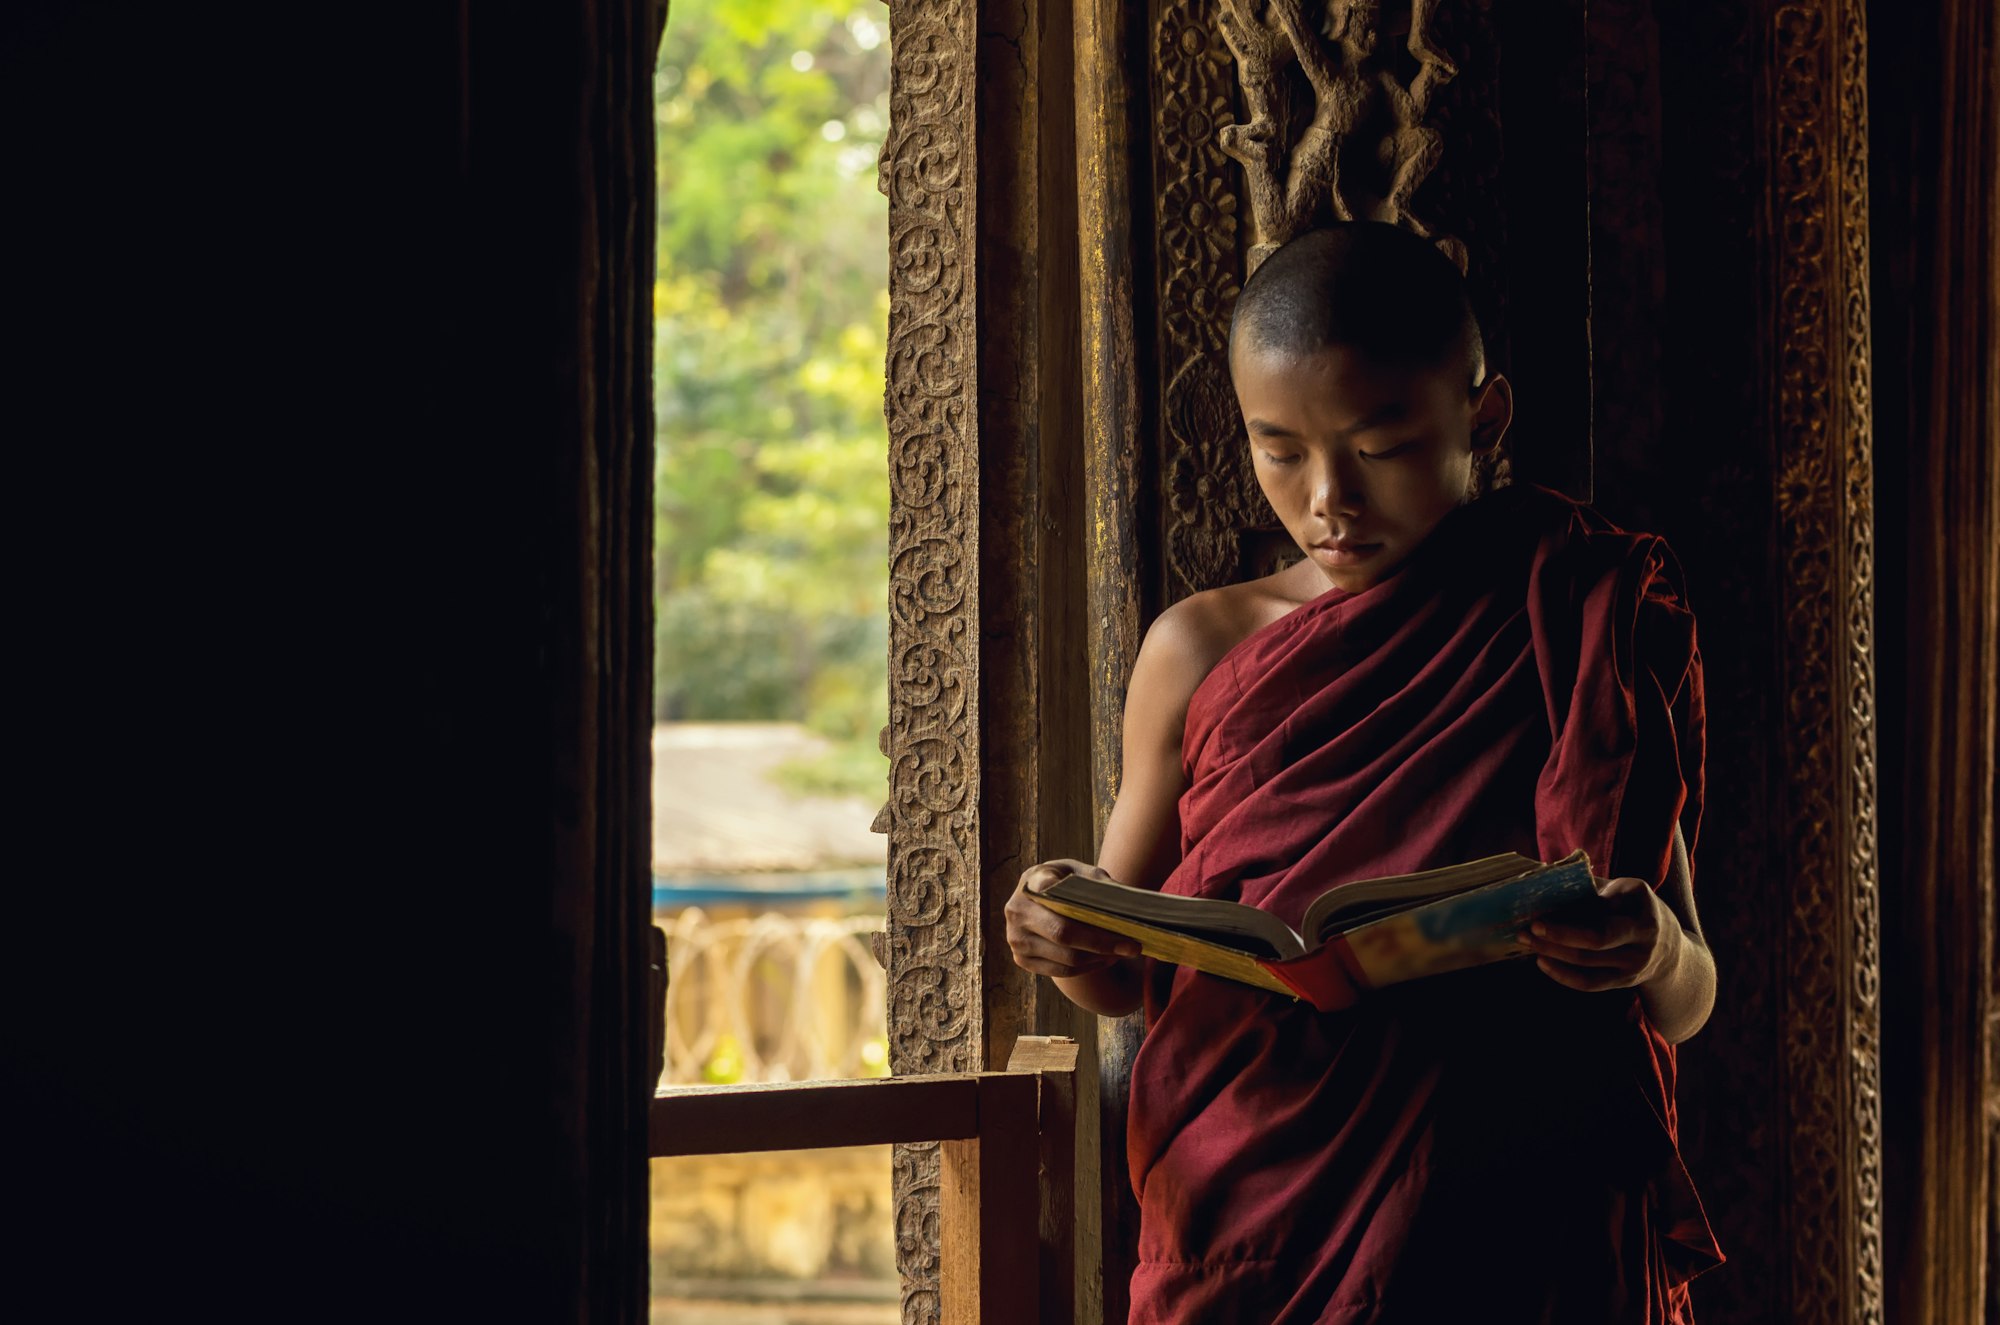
[
  {"x": 1759, "y": 469},
  {"x": 1355, "y": 142},
  {"x": 1210, "y": 498},
  {"x": 928, "y": 172},
  {"x": 1832, "y": 1062},
  {"x": 1271, "y": 117}
]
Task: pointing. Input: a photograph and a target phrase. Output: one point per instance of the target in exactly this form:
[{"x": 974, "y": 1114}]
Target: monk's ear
[{"x": 1492, "y": 410}]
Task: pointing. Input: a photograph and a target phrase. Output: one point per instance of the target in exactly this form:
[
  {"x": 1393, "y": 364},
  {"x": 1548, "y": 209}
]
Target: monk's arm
[
  {"x": 1639, "y": 938},
  {"x": 1142, "y": 838}
]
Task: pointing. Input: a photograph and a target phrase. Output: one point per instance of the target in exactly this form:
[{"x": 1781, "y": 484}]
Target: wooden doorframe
[
  {"x": 988, "y": 731},
  {"x": 1935, "y": 120}
]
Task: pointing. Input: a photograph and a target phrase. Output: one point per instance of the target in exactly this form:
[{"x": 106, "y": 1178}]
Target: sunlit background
[{"x": 771, "y": 313}]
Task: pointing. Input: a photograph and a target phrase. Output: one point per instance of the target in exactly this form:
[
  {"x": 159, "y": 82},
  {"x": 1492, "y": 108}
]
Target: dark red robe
[{"x": 1487, "y": 1146}]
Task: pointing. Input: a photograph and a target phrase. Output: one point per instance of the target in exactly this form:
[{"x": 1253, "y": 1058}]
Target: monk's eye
[
  {"x": 1391, "y": 453},
  {"x": 1277, "y": 459}
]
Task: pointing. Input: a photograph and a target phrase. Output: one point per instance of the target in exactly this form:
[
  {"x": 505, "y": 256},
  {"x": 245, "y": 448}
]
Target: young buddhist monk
[{"x": 1439, "y": 679}]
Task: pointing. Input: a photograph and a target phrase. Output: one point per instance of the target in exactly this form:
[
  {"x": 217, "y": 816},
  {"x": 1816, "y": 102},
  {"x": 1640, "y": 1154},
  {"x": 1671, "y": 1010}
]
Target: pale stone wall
[{"x": 798, "y": 1215}]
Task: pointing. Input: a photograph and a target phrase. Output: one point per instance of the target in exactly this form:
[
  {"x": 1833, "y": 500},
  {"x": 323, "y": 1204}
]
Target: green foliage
[{"x": 771, "y": 319}]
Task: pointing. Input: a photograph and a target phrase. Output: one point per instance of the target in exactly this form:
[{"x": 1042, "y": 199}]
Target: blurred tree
[{"x": 771, "y": 318}]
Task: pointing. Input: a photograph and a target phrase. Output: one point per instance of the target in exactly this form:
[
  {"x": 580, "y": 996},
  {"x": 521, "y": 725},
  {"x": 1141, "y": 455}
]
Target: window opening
[{"x": 771, "y": 583}]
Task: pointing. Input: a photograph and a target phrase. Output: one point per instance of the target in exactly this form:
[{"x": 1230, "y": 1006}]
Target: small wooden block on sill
[{"x": 1043, "y": 1053}]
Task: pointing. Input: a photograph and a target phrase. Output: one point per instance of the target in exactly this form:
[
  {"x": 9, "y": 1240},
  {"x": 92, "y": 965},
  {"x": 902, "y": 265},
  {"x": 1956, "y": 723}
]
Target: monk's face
[{"x": 1362, "y": 461}]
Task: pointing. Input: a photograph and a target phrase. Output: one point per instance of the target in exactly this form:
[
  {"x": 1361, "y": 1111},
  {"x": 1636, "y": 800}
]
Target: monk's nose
[{"x": 1336, "y": 491}]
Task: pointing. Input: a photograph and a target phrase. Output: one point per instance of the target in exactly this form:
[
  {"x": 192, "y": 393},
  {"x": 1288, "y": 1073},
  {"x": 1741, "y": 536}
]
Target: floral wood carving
[
  {"x": 1369, "y": 89},
  {"x": 927, "y": 171},
  {"x": 1211, "y": 499},
  {"x": 1831, "y": 1044},
  {"x": 1864, "y": 963}
]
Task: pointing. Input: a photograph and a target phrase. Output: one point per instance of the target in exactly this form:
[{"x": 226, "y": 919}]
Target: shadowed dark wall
[{"x": 328, "y": 400}]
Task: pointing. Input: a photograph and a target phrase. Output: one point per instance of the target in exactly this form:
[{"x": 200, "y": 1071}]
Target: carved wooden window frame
[
  {"x": 961, "y": 401},
  {"x": 967, "y": 1140},
  {"x": 929, "y": 173},
  {"x": 955, "y": 802}
]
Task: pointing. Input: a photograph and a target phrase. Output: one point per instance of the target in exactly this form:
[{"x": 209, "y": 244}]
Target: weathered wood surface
[
  {"x": 1121, "y": 568},
  {"x": 990, "y": 1264},
  {"x": 1043, "y": 1053},
  {"x": 988, "y": 733},
  {"x": 1935, "y": 116},
  {"x": 1762, "y": 479},
  {"x": 1822, "y": 416},
  {"x": 930, "y": 172}
]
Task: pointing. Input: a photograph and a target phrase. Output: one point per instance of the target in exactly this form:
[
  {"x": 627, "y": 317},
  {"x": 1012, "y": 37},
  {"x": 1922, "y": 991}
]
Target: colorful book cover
[{"x": 1472, "y": 929}]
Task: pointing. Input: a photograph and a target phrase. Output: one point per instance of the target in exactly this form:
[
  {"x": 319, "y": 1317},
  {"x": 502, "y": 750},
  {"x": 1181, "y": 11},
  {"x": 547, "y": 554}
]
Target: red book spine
[{"x": 1328, "y": 977}]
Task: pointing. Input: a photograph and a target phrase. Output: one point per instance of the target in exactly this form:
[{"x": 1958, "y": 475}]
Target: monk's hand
[
  {"x": 1050, "y": 944},
  {"x": 1628, "y": 937}
]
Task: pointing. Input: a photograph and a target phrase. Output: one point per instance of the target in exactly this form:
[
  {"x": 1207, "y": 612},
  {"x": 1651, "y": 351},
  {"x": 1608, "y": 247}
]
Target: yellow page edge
[{"x": 1167, "y": 946}]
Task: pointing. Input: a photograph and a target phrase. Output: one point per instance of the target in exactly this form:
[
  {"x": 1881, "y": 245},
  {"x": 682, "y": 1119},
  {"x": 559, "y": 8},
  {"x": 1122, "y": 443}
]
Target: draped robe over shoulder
[{"x": 1485, "y": 1146}]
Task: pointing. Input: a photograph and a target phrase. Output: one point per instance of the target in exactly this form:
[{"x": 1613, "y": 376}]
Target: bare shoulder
[
  {"x": 1188, "y": 639},
  {"x": 1141, "y": 841}
]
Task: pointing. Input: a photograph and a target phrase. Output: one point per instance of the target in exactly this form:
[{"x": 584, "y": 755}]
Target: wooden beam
[
  {"x": 729, "y": 1120},
  {"x": 989, "y": 1198},
  {"x": 1121, "y": 568}
]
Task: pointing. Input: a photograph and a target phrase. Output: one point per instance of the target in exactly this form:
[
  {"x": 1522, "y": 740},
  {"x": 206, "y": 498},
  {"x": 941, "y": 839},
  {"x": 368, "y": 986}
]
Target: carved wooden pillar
[
  {"x": 1816, "y": 125},
  {"x": 1117, "y": 496},
  {"x": 988, "y": 737},
  {"x": 929, "y": 172}
]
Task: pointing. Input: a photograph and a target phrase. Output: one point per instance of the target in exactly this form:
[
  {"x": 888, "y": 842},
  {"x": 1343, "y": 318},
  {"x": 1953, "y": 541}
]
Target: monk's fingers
[
  {"x": 1028, "y": 916},
  {"x": 1627, "y": 894},
  {"x": 1079, "y": 937},
  {"x": 1045, "y": 958},
  {"x": 1606, "y": 931},
  {"x": 1028, "y": 920},
  {"x": 1037, "y": 877},
  {"x": 1588, "y": 979},
  {"x": 1042, "y": 966},
  {"x": 1634, "y": 901},
  {"x": 1624, "y": 958}
]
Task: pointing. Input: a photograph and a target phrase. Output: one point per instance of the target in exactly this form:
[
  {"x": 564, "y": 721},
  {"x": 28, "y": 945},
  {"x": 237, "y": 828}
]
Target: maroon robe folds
[{"x": 1486, "y": 1146}]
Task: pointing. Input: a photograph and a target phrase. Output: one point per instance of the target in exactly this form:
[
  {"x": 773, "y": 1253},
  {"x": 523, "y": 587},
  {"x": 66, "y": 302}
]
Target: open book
[{"x": 1354, "y": 938}]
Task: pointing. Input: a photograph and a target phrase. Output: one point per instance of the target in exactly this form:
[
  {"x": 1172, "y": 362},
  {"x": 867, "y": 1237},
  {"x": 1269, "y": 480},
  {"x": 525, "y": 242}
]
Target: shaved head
[{"x": 1369, "y": 286}]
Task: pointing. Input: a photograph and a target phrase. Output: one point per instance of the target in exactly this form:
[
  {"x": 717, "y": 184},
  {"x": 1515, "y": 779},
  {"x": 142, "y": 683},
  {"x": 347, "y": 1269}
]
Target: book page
[
  {"x": 1181, "y": 950},
  {"x": 1201, "y": 918},
  {"x": 1368, "y": 900}
]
